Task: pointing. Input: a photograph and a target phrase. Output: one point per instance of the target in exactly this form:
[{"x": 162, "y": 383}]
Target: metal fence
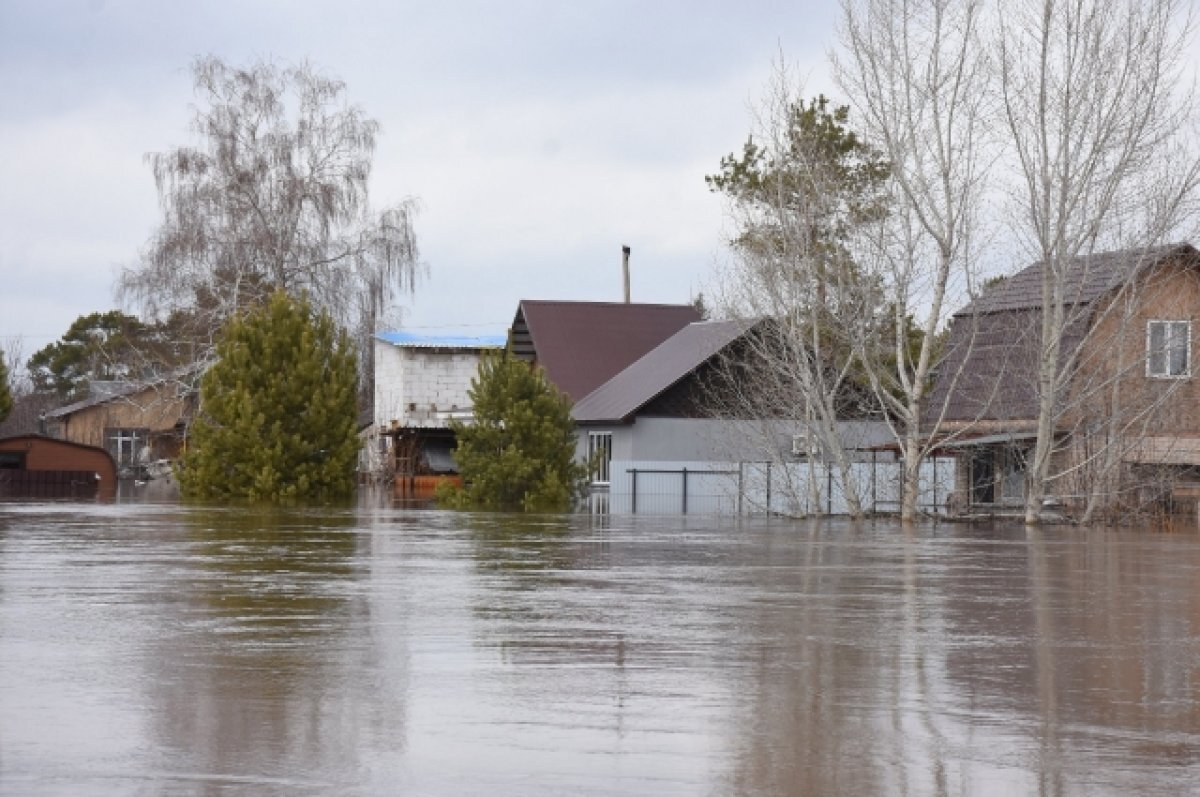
[{"x": 792, "y": 488}]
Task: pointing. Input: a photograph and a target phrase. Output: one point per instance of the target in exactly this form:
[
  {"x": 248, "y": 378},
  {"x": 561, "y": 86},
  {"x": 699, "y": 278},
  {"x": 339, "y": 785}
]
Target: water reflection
[
  {"x": 266, "y": 676},
  {"x": 158, "y": 649}
]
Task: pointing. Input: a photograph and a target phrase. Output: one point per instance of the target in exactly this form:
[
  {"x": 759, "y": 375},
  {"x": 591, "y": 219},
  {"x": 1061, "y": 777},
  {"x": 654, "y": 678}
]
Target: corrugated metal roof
[
  {"x": 412, "y": 340},
  {"x": 113, "y": 390},
  {"x": 651, "y": 375},
  {"x": 581, "y": 345}
]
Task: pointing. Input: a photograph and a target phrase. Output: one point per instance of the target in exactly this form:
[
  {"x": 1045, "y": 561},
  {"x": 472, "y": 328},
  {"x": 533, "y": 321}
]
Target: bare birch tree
[
  {"x": 917, "y": 72},
  {"x": 273, "y": 195},
  {"x": 802, "y": 182},
  {"x": 1093, "y": 111}
]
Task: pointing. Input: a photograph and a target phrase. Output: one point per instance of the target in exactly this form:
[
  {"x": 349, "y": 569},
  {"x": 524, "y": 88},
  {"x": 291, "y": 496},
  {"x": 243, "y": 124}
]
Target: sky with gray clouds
[{"x": 538, "y": 136}]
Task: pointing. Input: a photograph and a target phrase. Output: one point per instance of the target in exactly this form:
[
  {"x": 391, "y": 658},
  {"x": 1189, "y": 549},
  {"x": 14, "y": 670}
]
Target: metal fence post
[
  {"x": 874, "y": 480},
  {"x": 828, "y": 489},
  {"x": 633, "y": 471},
  {"x": 768, "y": 488},
  {"x": 741, "y": 480},
  {"x": 684, "y": 471},
  {"x": 935, "y": 503}
]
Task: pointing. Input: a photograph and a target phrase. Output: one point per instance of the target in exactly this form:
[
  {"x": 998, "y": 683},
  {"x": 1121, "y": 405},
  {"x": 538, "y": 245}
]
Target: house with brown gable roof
[
  {"x": 671, "y": 405},
  {"x": 581, "y": 345},
  {"x": 1128, "y": 422},
  {"x": 641, "y": 378}
]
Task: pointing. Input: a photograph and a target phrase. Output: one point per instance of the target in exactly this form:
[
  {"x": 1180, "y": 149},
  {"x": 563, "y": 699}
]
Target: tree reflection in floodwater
[
  {"x": 164, "y": 649},
  {"x": 259, "y": 670}
]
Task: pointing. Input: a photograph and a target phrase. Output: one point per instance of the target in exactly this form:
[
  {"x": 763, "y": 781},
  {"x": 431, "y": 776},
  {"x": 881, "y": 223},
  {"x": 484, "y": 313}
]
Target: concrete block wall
[{"x": 423, "y": 378}]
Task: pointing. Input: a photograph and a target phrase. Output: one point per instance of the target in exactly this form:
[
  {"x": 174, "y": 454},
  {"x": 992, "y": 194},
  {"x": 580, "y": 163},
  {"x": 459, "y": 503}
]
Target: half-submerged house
[
  {"x": 1127, "y": 426},
  {"x": 680, "y": 412},
  {"x": 421, "y": 385}
]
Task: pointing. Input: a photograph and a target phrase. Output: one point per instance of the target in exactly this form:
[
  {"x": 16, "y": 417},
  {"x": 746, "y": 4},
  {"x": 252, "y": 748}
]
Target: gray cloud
[{"x": 538, "y": 136}]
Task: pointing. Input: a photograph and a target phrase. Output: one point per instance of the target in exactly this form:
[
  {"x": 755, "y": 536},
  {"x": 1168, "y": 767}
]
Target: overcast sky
[{"x": 538, "y": 137}]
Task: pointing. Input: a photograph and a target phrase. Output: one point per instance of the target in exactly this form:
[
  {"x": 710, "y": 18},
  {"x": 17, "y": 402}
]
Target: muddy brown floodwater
[{"x": 160, "y": 649}]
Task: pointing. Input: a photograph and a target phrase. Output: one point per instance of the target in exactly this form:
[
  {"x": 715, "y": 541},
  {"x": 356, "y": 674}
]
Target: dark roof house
[
  {"x": 1125, "y": 353},
  {"x": 989, "y": 370},
  {"x": 581, "y": 345}
]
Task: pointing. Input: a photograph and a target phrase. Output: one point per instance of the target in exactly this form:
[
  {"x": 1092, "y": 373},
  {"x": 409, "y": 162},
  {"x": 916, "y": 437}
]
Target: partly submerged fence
[{"x": 791, "y": 488}]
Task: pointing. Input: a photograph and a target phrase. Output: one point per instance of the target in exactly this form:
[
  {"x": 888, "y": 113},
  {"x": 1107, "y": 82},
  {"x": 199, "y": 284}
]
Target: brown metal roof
[
  {"x": 581, "y": 345},
  {"x": 631, "y": 389}
]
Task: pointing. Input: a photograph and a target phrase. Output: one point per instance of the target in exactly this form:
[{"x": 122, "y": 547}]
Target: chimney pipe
[{"x": 625, "y": 270}]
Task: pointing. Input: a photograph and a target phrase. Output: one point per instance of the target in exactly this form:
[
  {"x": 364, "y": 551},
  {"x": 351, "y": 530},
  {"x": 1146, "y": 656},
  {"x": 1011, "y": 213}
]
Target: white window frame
[
  {"x": 600, "y": 443},
  {"x": 1164, "y": 372},
  {"x": 126, "y": 443}
]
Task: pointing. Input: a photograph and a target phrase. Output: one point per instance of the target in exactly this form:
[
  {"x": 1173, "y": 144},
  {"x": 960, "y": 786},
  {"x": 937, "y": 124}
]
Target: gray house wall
[{"x": 693, "y": 439}]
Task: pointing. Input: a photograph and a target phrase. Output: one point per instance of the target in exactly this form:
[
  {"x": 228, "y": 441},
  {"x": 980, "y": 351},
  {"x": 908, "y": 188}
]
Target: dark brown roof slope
[
  {"x": 989, "y": 370},
  {"x": 581, "y": 345},
  {"x": 1087, "y": 279},
  {"x": 627, "y": 392}
]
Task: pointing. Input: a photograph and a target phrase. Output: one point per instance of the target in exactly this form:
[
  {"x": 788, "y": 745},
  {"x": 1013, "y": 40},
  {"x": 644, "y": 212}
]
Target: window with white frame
[
  {"x": 1169, "y": 349},
  {"x": 126, "y": 445},
  {"x": 600, "y": 455}
]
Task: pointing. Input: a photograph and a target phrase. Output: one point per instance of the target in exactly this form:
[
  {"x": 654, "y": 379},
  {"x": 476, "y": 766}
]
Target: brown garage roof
[{"x": 581, "y": 345}]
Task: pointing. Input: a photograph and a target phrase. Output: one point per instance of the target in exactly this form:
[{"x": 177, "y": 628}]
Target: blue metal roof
[{"x": 443, "y": 341}]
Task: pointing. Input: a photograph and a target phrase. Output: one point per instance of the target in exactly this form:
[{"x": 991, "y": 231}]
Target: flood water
[{"x": 159, "y": 649}]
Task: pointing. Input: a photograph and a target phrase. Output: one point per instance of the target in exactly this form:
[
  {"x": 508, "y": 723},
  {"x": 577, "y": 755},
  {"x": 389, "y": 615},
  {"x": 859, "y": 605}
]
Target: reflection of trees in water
[
  {"x": 523, "y": 561},
  {"x": 273, "y": 574},
  {"x": 266, "y": 673},
  {"x": 530, "y": 548},
  {"x": 822, "y": 666},
  {"x": 1082, "y": 644}
]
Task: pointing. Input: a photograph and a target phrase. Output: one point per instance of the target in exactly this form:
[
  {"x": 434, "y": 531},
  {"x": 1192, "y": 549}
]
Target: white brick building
[{"x": 421, "y": 383}]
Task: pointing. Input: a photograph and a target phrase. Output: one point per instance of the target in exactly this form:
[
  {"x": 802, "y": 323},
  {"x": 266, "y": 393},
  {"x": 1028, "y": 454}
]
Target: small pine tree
[
  {"x": 6, "y": 400},
  {"x": 278, "y": 410},
  {"x": 519, "y": 452}
]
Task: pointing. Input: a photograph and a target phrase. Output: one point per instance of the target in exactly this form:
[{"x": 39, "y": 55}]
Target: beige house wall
[{"x": 157, "y": 409}]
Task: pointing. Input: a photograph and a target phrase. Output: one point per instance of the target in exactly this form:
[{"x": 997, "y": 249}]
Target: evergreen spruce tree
[
  {"x": 6, "y": 400},
  {"x": 278, "y": 410},
  {"x": 519, "y": 452}
]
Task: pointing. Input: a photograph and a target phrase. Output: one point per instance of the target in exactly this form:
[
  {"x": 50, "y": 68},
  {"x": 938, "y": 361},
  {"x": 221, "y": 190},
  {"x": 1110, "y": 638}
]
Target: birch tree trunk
[
  {"x": 1092, "y": 110},
  {"x": 918, "y": 74}
]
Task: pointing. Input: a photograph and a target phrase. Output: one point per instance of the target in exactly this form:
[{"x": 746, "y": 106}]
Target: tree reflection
[{"x": 266, "y": 665}]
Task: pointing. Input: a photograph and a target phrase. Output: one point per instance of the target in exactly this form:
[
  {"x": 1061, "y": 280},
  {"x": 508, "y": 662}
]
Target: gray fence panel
[{"x": 793, "y": 488}]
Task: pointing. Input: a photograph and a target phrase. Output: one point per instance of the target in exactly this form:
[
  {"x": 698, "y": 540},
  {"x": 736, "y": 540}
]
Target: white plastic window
[{"x": 1169, "y": 349}]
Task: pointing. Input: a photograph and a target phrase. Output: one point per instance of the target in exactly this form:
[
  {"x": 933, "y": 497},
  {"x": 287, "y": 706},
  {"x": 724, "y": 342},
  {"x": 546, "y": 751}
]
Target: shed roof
[
  {"x": 103, "y": 392},
  {"x": 651, "y": 375},
  {"x": 110, "y": 392},
  {"x": 414, "y": 341},
  {"x": 581, "y": 345}
]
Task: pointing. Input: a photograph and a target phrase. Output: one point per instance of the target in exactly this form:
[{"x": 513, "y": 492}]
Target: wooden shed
[{"x": 32, "y": 466}]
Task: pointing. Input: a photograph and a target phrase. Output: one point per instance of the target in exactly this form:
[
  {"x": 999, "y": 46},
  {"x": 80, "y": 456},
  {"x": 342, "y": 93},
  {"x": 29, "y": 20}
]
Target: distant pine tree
[
  {"x": 278, "y": 410},
  {"x": 519, "y": 452}
]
